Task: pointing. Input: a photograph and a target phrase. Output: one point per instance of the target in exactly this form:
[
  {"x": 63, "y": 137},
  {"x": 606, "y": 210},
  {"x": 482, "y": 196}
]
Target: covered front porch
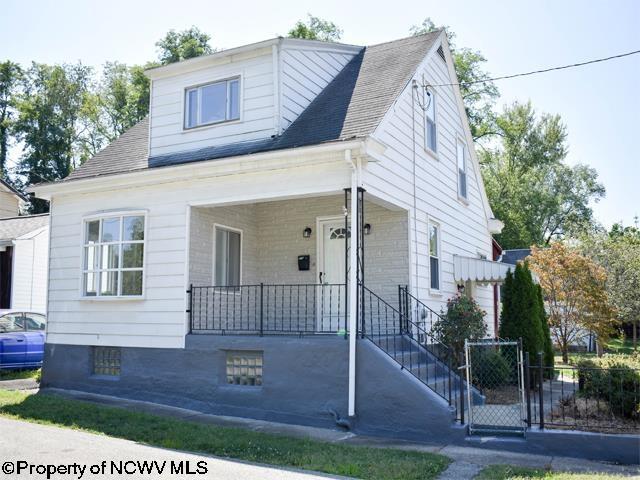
[{"x": 283, "y": 266}]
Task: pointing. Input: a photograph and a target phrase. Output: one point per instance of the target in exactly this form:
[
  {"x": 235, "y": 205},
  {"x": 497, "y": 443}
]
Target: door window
[{"x": 12, "y": 322}]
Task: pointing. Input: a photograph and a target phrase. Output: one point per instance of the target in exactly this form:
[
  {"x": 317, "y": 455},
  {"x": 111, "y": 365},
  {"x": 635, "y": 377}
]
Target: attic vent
[{"x": 441, "y": 53}]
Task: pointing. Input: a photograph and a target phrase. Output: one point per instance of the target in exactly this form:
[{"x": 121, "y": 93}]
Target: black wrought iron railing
[
  {"x": 583, "y": 397},
  {"x": 419, "y": 313},
  {"x": 411, "y": 345},
  {"x": 266, "y": 309}
]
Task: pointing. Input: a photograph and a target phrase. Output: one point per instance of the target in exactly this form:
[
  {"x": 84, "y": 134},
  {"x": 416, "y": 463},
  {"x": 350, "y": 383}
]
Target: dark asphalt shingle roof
[
  {"x": 351, "y": 106},
  {"x": 14, "y": 227}
]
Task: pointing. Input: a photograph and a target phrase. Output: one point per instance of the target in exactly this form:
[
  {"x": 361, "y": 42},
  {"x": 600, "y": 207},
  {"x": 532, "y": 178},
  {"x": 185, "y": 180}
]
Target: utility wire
[{"x": 534, "y": 72}]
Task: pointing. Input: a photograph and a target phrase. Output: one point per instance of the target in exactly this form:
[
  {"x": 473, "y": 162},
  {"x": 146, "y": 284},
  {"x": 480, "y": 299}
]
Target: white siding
[
  {"x": 304, "y": 74},
  {"x": 463, "y": 226},
  {"x": 9, "y": 205},
  {"x": 158, "y": 320},
  {"x": 256, "y": 106},
  {"x": 29, "y": 280}
]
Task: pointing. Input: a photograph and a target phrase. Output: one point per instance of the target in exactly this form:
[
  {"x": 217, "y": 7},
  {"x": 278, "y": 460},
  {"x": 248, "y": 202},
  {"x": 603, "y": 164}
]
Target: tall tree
[
  {"x": 316, "y": 29},
  {"x": 574, "y": 287},
  {"x": 618, "y": 252},
  {"x": 521, "y": 316},
  {"x": 10, "y": 78},
  {"x": 478, "y": 92},
  {"x": 177, "y": 46},
  {"x": 119, "y": 100},
  {"x": 50, "y": 122},
  {"x": 529, "y": 186}
]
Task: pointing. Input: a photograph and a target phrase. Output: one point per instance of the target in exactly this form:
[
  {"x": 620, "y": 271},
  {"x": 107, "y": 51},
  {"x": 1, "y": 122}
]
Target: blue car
[{"x": 22, "y": 337}]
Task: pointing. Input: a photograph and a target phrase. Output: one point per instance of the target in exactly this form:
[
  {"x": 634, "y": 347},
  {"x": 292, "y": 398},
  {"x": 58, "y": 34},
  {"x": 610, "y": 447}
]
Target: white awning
[{"x": 479, "y": 270}]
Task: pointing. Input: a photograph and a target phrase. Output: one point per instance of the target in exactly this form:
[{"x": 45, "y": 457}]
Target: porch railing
[{"x": 268, "y": 309}]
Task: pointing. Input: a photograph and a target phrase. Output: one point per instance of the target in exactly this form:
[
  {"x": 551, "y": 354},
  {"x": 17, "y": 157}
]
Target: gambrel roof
[{"x": 350, "y": 106}]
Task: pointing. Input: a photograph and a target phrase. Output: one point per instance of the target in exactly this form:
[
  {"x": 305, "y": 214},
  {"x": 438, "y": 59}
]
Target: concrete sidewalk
[{"x": 467, "y": 460}]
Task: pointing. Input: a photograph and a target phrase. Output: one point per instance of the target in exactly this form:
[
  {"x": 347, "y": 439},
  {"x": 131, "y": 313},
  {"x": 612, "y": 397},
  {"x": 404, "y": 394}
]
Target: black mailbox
[{"x": 303, "y": 262}]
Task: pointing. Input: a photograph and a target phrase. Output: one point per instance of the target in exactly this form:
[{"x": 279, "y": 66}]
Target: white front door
[{"x": 331, "y": 275}]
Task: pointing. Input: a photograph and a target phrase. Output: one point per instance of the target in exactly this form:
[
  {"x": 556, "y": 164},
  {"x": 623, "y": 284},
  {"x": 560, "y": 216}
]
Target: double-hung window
[
  {"x": 212, "y": 103},
  {"x": 228, "y": 257},
  {"x": 461, "y": 155},
  {"x": 434, "y": 256},
  {"x": 113, "y": 254},
  {"x": 430, "y": 127}
]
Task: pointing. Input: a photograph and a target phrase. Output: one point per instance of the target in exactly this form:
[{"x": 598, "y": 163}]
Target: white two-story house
[{"x": 276, "y": 239}]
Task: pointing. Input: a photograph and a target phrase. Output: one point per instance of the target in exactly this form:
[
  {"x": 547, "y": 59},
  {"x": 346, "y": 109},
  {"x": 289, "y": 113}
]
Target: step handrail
[{"x": 393, "y": 332}]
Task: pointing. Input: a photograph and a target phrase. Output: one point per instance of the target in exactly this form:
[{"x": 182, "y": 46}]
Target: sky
[{"x": 600, "y": 104}]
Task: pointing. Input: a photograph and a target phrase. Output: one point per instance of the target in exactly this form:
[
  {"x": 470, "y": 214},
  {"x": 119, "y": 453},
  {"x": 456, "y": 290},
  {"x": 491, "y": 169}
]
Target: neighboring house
[
  {"x": 513, "y": 256},
  {"x": 277, "y": 192},
  {"x": 24, "y": 245}
]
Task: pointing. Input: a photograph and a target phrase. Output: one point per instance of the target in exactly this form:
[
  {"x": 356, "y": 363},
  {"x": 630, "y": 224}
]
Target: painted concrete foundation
[{"x": 304, "y": 382}]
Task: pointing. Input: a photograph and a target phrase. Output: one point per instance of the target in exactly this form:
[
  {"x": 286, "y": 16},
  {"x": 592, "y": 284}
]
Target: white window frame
[
  {"x": 186, "y": 108},
  {"x": 433, "y": 223},
  {"x": 213, "y": 263},
  {"x": 432, "y": 151},
  {"x": 84, "y": 243},
  {"x": 465, "y": 155}
]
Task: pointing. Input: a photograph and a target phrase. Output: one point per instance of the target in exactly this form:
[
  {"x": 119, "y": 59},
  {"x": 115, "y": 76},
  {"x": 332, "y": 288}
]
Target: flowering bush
[{"x": 464, "y": 319}]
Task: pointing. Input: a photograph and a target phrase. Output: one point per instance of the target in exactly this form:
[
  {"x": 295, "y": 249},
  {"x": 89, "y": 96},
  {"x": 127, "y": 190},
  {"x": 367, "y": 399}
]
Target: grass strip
[
  {"x": 509, "y": 472},
  {"x": 235, "y": 443}
]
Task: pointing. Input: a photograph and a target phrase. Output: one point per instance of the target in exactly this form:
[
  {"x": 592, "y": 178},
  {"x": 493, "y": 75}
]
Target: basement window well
[{"x": 244, "y": 368}]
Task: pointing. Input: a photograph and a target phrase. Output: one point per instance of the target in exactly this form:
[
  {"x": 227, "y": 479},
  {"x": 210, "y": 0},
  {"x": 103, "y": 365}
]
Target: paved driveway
[{"x": 44, "y": 445}]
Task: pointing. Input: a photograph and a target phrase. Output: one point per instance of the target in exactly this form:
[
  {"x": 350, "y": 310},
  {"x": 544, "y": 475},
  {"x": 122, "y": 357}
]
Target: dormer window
[{"x": 212, "y": 103}]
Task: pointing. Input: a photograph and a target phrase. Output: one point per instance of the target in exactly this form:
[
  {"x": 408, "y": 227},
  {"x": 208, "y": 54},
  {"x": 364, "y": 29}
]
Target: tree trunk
[
  {"x": 634, "y": 328},
  {"x": 565, "y": 353}
]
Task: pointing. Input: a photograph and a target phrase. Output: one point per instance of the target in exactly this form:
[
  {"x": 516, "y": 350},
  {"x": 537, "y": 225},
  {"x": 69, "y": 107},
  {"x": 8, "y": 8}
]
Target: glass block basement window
[
  {"x": 106, "y": 361},
  {"x": 244, "y": 368}
]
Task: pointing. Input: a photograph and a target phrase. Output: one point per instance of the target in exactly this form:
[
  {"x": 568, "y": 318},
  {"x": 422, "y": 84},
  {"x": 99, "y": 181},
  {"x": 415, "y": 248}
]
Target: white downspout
[{"x": 353, "y": 284}]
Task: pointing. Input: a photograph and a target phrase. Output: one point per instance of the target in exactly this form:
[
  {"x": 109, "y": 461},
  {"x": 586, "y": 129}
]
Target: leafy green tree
[
  {"x": 618, "y": 252},
  {"x": 124, "y": 97},
  {"x": 478, "y": 92},
  {"x": 316, "y": 29},
  {"x": 520, "y": 317},
  {"x": 10, "y": 78},
  {"x": 177, "y": 46},
  {"x": 530, "y": 188},
  {"x": 50, "y": 122}
]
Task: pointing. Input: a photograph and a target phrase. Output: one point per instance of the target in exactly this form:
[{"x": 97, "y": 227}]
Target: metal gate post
[
  {"x": 468, "y": 364},
  {"x": 461, "y": 380},
  {"x": 527, "y": 386},
  {"x": 540, "y": 391}
]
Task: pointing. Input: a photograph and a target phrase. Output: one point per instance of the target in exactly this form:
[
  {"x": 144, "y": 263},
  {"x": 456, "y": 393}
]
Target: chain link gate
[{"x": 496, "y": 402}]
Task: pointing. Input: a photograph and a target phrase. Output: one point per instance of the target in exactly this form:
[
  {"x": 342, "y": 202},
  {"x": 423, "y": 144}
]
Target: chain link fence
[{"x": 495, "y": 403}]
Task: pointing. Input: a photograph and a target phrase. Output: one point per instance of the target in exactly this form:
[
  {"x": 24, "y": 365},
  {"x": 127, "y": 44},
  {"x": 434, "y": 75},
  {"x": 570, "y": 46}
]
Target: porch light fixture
[
  {"x": 367, "y": 228},
  {"x": 306, "y": 233}
]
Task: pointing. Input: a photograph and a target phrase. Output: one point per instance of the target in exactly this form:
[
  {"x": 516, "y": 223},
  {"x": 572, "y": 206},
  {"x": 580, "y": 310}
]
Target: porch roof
[{"x": 479, "y": 270}]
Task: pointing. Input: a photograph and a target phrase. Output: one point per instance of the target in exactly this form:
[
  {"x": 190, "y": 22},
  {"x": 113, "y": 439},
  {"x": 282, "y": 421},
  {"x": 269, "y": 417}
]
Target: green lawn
[
  {"x": 508, "y": 472},
  {"x": 19, "y": 374},
  {"x": 337, "y": 459}
]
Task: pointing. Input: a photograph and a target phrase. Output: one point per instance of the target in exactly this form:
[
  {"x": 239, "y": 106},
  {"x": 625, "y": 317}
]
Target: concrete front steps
[{"x": 424, "y": 365}]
